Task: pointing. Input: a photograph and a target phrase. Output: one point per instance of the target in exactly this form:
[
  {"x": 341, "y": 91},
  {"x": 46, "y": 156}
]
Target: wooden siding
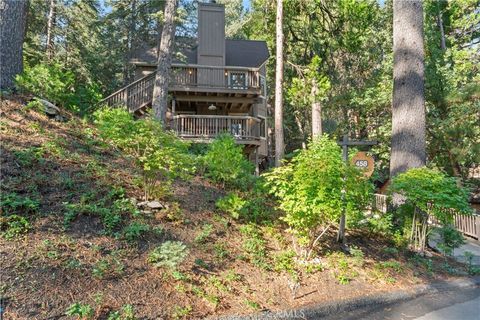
[{"x": 211, "y": 34}]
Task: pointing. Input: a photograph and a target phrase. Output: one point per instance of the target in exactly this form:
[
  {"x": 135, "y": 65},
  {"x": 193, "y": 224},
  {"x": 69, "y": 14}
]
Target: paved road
[{"x": 461, "y": 304}]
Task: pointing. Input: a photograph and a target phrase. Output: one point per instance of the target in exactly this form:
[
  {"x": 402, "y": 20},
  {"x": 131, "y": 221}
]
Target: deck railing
[
  {"x": 215, "y": 77},
  {"x": 139, "y": 93},
  {"x": 208, "y": 127}
]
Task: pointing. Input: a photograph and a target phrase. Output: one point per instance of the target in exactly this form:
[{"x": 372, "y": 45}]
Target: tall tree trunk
[
  {"x": 300, "y": 129},
  {"x": 279, "y": 143},
  {"x": 408, "y": 109},
  {"x": 131, "y": 41},
  {"x": 50, "y": 50},
  {"x": 160, "y": 90},
  {"x": 13, "y": 20},
  {"x": 443, "y": 44},
  {"x": 316, "y": 113}
]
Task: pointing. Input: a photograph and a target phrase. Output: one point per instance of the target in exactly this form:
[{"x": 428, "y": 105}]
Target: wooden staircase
[{"x": 135, "y": 97}]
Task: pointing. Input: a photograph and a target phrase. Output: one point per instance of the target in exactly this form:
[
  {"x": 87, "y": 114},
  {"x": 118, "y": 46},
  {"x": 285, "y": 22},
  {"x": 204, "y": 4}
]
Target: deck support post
[{"x": 257, "y": 165}]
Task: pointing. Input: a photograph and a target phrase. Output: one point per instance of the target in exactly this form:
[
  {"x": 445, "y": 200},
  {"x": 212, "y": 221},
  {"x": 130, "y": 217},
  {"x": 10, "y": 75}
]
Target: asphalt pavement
[{"x": 460, "y": 304}]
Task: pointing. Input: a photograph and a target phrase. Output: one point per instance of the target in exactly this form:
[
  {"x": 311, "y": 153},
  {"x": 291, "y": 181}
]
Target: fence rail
[{"x": 208, "y": 127}]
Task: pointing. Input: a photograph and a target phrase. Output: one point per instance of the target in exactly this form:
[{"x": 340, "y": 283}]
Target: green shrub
[
  {"x": 169, "y": 254},
  {"x": 159, "y": 153},
  {"x": 57, "y": 85},
  {"x": 428, "y": 192},
  {"x": 450, "y": 239},
  {"x": 135, "y": 230},
  {"x": 225, "y": 163},
  {"x": 309, "y": 190},
  {"x": 232, "y": 204},
  {"x": 251, "y": 206},
  {"x": 14, "y": 203},
  {"x": 12, "y": 226},
  {"x": 284, "y": 261}
]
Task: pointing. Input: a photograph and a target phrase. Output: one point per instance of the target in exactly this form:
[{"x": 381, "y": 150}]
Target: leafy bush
[
  {"x": 135, "y": 230},
  {"x": 159, "y": 153},
  {"x": 224, "y": 162},
  {"x": 232, "y": 204},
  {"x": 430, "y": 193},
  {"x": 14, "y": 203},
  {"x": 169, "y": 254},
  {"x": 451, "y": 239},
  {"x": 59, "y": 86},
  {"x": 309, "y": 190},
  {"x": 251, "y": 206}
]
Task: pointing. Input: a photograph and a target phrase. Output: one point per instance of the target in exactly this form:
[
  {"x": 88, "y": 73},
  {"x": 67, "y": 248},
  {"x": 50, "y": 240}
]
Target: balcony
[
  {"x": 204, "y": 128},
  {"x": 191, "y": 78},
  {"x": 199, "y": 78}
]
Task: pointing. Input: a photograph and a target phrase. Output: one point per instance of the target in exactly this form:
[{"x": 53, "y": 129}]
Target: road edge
[{"x": 331, "y": 308}]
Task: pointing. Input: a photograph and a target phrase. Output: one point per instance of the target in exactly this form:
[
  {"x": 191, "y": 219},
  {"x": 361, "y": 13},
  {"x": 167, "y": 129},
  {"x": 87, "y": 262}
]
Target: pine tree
[
  {"x": 408, "y": 105},
  {"x": 279, "y": 143},
  {"x": 160, "y": 90},
  {"x": 13, "y": 19}
]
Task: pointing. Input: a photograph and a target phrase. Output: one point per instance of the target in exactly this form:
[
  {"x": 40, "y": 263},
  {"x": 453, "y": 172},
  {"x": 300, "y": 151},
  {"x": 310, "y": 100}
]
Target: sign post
[{"x": 362, "y": 161}]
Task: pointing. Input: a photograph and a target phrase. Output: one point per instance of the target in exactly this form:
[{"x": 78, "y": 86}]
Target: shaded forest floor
[{"x": 60, "y": 176}]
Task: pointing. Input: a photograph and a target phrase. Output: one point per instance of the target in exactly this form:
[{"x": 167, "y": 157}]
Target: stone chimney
[{"x": 211, "y": 34}]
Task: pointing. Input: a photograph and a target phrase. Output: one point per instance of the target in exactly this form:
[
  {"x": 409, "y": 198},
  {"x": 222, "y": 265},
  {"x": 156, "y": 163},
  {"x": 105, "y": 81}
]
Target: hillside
[{"x": 73, "y": 232}]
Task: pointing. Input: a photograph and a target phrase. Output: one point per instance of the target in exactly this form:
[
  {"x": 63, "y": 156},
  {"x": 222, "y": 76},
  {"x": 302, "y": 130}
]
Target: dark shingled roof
[{"x": 239, "y": 53}]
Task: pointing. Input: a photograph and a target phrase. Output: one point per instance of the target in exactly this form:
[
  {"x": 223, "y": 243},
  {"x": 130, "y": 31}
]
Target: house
[{"x": 218, "y": 85}]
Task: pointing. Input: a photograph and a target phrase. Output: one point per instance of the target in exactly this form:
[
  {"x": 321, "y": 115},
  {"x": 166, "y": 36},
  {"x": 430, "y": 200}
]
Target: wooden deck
[
  {"x": 204, "y": 128},
  {"x": 246, "y": 82}
]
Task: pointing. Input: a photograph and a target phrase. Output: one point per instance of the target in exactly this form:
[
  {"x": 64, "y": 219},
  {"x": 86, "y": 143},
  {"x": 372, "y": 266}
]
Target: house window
[
  {"x": 263, "y": 86},
  {"x": 263, "y": 129},
  {"x": 237, "y": 80}
]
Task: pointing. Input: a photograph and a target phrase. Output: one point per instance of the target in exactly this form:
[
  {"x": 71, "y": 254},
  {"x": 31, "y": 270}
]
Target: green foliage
[
  {"x": 381, "y": 223},
  {"x": 159, "y": 153},
  {"x": 181, "y": 312},
  {"x": 309, "y": 189},
  {"x": 110, "y": 209},
  {"x": 232, "y": 204},
  {"x": 471, "y": 268},
  {"x": 135, "y": 230},
  {"x": 127, "y": 313},
  {"x": 57, "y": 85},
  {"x": 284, "y": 261},
  {"x": 450, "y": 239},
  {"x": 82, "y": 311},
  {"x": 29, "y": 156},
  {"x": 432, "y": 192},
  {"x": 254, "y": 246},
  {"x": 12, "y": 226},
  {"x": 169, "y": 254},
  {"x": 342, "y": 267},
  {"x": 204, "y": 233},
  {"x": 250, "y": 206},
  {"x": 224, "y": 162},
  {"x": 110, "y": 266},
  {"x": 14, "y": 203}
]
